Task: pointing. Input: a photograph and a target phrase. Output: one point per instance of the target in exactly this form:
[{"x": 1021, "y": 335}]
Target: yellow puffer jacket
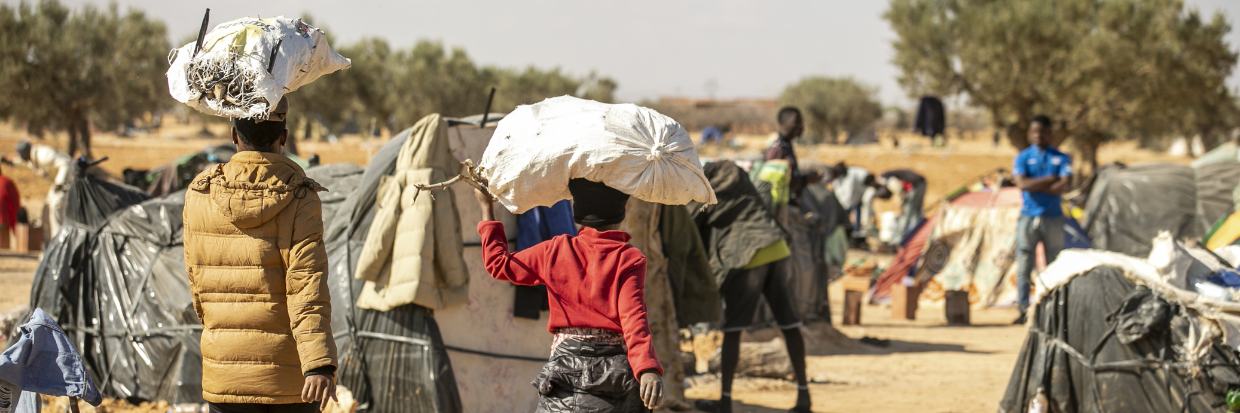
[{"x": 257, "y": 270}]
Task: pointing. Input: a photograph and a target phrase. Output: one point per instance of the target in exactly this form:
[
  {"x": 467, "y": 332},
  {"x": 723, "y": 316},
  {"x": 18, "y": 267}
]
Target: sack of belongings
[
  {"x": 538, "y": 148},
  {"x": 243, "y": 67}
]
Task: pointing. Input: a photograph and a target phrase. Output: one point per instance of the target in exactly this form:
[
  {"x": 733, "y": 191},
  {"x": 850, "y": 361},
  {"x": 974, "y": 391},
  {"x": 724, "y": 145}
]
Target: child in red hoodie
[{"x": 595, "y": 286}]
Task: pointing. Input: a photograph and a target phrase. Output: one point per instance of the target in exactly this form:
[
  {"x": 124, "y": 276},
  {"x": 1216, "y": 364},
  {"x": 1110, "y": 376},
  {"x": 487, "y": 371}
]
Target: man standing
[
  {"x": 257, "y": 272},
  {"x": 1043, "y": 174},
  {"x": 791, "y": 126}
]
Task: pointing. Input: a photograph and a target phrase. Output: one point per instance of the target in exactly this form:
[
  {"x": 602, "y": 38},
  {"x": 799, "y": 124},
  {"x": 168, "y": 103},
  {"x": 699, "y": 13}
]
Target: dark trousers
[{"x": 263, "y": 408}]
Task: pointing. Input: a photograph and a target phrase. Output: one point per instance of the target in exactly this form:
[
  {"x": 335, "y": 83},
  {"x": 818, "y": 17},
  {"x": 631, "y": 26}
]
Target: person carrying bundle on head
[
  {"x": 257, "y": 267},
  {"x": 602, "y": 356}
]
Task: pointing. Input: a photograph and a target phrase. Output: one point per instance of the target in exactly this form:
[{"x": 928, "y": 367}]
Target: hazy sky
[{"x": 728, "y": 48}]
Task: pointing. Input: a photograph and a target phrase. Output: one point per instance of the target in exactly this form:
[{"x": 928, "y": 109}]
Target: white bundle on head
[
  {"x": 245, "y": 66},
  {"x": 537, "y": 149}
]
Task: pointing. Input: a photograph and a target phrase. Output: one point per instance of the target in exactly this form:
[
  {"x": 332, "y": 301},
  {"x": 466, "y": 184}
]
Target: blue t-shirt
[{"x": 1037, "y": 162}]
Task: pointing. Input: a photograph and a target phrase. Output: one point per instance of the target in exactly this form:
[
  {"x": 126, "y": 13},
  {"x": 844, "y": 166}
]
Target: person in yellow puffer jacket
[{"x": 257, "y": 270}]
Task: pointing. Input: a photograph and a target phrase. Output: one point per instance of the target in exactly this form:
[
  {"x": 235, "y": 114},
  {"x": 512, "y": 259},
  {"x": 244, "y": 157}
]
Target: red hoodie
[{"x": 594, "y": 280}]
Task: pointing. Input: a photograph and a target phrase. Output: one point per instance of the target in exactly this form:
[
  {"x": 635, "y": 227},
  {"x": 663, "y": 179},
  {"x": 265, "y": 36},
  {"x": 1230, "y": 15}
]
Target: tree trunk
[
  {"x": 84, "y": 137},
  {"x": 72, "y": 144}
]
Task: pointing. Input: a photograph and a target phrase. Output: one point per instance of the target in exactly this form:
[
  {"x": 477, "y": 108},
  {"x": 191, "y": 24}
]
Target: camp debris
[
  {"x": 241, "y": 69},
  {"x": 1115, "y": 333},
  {"x": 633, "y": 149}
]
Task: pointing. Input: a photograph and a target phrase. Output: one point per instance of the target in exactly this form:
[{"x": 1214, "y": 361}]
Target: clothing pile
[
  {"x": 242, "y": 68},
  {"x": 633, "y": 149}
]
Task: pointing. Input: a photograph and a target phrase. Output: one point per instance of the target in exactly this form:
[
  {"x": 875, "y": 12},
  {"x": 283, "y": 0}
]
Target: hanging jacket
[
  {"x": 694, "y": 291},
  {"x": 412, "y": 253},
  {"x": 257, "y": 267},
  {"x": 42, "y": 360},
  {"x": 734, "y": 229}
]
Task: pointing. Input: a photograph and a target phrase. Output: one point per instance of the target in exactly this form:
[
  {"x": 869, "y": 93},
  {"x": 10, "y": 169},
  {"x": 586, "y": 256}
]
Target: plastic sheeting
[
  {"x": 1102, "y": 344},
  {"x": 1128, "y": 207},
  {"x": 341, "y": 178},
  {"x": 968, "y": 245},
  {"x": 392, "y": 361},
  {"x": 114, "y": 278},
  {"x": 1216, "y": 183}
]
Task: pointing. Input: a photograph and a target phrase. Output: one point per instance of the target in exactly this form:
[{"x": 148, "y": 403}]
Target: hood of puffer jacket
[{"x": 253, "y": 187}]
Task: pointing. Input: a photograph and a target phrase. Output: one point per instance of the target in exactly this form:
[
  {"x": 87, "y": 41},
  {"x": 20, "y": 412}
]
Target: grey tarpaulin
[
  {"x": 1102, "y": 344},
  {"x": 392, "y": 361},
  {"x": 341, "y": 178},
  {"x": 1122, "y": 217},
  {"x": 1215, "y": 184},
  {"x": 114, "y": 278}
]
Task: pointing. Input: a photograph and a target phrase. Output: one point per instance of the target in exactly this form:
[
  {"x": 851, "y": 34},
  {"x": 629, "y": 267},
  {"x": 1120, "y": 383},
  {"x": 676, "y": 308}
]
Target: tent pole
[{"x": 486, "y": 114}]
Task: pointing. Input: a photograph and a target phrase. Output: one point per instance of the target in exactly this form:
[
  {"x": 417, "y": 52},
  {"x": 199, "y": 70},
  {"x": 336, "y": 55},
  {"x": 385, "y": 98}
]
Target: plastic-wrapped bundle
[
  {"x": 633, "y": 149},
  {"x": 245, "y": 66}
]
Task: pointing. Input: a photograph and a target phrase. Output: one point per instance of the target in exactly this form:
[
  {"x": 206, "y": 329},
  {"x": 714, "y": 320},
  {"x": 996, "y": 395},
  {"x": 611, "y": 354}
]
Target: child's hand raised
[{"x": 486, "y": 203}]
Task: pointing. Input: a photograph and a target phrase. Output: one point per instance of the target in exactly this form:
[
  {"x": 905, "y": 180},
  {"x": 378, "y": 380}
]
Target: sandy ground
[{"x": 927, "y": 367}]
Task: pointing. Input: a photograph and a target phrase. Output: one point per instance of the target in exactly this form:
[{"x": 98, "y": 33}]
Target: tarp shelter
[
  {"x": 114, "y": 278},
  {"x": 1216, "y": 185},
  {"x": 175, "y": 175},
  {"x": 1227, "y": 152},
  {"x": 1120, "y": 216},
  {"x": 409, "y": 359},
  {"x": 1107, "y": 342},
  {"x": 969, "y": 245}
]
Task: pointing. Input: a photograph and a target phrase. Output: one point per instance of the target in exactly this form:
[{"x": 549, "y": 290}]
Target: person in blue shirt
[{"x": 1043, "y": 174}]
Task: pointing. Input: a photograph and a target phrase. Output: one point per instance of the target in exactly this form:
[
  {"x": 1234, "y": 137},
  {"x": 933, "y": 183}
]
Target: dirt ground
[{"x": 927, "y": 367}]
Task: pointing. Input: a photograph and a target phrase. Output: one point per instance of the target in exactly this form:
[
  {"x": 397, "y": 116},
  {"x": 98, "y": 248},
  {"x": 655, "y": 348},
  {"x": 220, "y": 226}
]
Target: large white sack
[
  {"x": 538, "y": 148},
  {"x": 229, "y": 76}
]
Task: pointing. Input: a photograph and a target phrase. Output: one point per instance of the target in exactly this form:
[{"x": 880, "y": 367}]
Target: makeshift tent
[
  {"x": 398, "y": 360},
  {"x": 114, "y": 277},
  {"x": 968, "y": 245},
  {"x": 1106, "y": 340},
  {"x": 1216, "y": 183},
  {"x": 175, "y": 175},
  {"x": 1227, "y": 152},
  {"x": 1120, "y": 215},
  {"x": 340, "y": 179}
]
